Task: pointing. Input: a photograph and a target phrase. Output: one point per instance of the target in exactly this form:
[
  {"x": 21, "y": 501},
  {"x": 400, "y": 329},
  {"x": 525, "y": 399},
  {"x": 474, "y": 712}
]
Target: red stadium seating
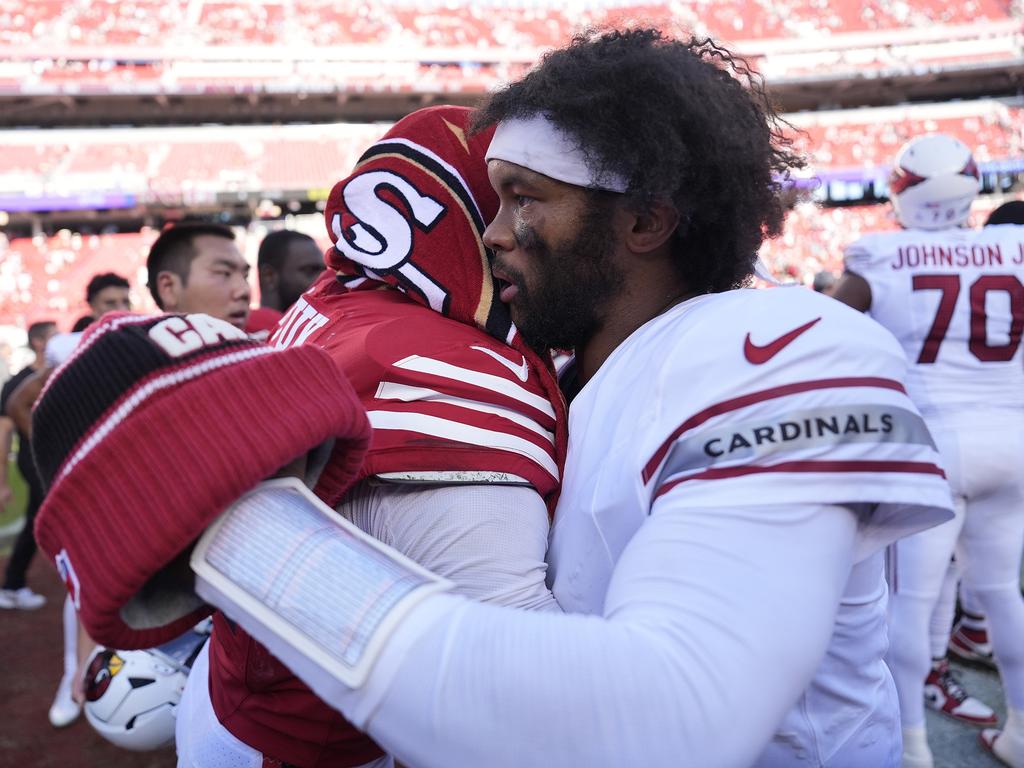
[
  {"x": 88, "y": 46},
  {"x": 46, "y": 277},
  {"x": 459, "y": 24},
  {"x": 866, "y": 138},
  {"x": 183, "y": 162},
  {"x": 814, "y": 239},
  {"x": 37, "y": 160}
]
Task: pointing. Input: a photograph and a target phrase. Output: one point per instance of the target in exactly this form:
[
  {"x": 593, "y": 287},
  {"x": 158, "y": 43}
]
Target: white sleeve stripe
[
  {"x": 841, "y": 456},
  {"x": 866, "y": 467},
  {"x": 391, "y": 391},
  {"x": 485, "y": 380},
  {"x": 464, "y": 433}
]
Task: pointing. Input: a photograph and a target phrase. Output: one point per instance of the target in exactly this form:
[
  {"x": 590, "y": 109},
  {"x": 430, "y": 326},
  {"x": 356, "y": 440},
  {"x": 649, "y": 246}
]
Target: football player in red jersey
[
  {"x": 469, "y": 426},
  {"x": 287, "y": 264}
]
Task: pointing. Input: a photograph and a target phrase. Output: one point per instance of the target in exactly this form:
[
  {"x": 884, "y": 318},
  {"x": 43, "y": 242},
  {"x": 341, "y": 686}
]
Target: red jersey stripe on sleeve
[
  {"x": 756, "y": 397},
  {"x": 723, "y": 473}
]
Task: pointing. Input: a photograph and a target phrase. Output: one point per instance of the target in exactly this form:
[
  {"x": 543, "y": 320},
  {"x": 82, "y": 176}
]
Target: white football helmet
[
  {"x": 131, "y": 697},
  {"x": 933, "y": 182}
]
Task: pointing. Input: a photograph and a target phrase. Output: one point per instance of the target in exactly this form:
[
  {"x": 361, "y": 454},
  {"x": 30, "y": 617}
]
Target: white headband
[{"x": 538, "y": 144}]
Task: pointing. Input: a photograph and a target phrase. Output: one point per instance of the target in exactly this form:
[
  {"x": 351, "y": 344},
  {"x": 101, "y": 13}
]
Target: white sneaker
[
  {"x": 24, "y": 599},
  {"x": 64, "y": 710}
]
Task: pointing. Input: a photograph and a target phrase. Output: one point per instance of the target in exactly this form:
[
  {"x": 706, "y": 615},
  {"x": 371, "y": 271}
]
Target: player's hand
[{"x": 6, "y": 494}]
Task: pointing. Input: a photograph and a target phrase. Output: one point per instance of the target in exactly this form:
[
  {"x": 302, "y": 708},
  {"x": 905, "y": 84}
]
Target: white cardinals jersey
[
  {"x": 777, "y": 396},
  {"x": 955, "y": 301}
]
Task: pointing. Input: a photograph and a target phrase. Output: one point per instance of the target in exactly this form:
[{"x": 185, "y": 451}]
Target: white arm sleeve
[
  {"x": 714, "y": 623},
  {"x": 489, "y": 540}
]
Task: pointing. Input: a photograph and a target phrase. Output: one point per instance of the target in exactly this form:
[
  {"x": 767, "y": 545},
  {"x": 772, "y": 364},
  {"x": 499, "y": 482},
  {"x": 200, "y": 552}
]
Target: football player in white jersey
[
  {"x": 969, "y": 638},
  {"x": 954, "y": 298},
  {"x": 738, "y": 461}
]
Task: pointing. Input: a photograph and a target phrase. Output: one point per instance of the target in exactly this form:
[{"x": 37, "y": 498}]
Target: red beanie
[{"x": 153, "y": 427}]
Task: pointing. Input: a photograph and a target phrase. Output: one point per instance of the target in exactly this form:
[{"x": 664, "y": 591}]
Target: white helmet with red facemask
[{"x": 933, "y": 183}]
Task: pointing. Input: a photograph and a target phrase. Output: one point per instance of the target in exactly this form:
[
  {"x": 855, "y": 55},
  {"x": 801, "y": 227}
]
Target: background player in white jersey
[
  {"x": 969, "y": 639},
  {"x": 954, "y": 298},
  {"x": 735, "y": 470}
]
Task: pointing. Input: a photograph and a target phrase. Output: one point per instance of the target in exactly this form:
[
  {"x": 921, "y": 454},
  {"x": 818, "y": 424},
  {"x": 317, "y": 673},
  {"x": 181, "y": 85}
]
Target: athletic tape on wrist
[{"x": 306, "y": 582}]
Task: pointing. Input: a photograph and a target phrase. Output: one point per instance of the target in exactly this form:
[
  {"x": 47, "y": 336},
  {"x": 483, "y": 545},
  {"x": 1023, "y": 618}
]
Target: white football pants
[{"x": 983, "y": 454}]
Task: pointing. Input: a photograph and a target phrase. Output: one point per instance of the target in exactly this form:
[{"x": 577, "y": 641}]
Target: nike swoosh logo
[
  {"x": 521, "y": 372},
  {"x": 759, "y": 354}
]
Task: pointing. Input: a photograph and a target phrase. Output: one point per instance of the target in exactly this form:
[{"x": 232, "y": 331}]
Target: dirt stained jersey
[
  {"x": 777, "y": 396},
  {"x": 954, "y": 299}
]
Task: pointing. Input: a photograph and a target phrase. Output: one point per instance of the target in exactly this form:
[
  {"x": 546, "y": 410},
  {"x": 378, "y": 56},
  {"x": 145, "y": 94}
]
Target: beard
[{"x": 573, "y": 281}]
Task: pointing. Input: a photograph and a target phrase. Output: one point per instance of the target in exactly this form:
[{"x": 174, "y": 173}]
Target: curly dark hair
[{"x": 685, "y": 121}]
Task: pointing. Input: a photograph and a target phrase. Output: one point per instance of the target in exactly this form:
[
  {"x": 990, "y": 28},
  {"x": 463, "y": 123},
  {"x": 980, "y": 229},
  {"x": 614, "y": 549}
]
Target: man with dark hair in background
[
  {"x": 107, "y": 292},
  {"x": 824, "y": 282},
  {"x": 197, "y": 267},
  {"x": 287, "y": 265},
  {"x": 1011, "y": 212},
  {"x": 15, "y": 593}
]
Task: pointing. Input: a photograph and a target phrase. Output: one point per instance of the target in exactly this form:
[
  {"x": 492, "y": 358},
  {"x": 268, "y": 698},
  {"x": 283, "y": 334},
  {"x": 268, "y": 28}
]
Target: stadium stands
[
  {"x": 487, "y": 24},
  {"x": 185, "y": 162},
  {"x": 139, "y": 44},
  {"x": 46, "y": 277},
  {"x": 814, "y": 239},
  {"x": 870, "y": 137}
]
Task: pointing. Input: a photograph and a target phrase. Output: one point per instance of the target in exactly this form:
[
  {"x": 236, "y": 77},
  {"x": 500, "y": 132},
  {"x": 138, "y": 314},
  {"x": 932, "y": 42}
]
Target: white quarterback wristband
[{"x": 319, "y": 593}]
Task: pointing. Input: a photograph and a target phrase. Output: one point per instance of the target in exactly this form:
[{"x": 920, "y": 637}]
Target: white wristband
[{"x": 319, "y": 593}]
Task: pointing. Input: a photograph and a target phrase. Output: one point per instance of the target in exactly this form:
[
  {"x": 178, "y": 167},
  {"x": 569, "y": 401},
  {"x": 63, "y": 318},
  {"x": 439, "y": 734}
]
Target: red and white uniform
[
  {"x": 721, "y": 413},
  {"x": 735, "y": 468},
  {"x": 441, "y": 396},
  {"x": 448, "y": 404},
  {"x": 955, "y": 300}
]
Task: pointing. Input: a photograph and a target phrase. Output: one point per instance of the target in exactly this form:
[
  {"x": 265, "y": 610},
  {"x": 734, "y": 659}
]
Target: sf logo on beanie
[{"x": 178, "y": 336}]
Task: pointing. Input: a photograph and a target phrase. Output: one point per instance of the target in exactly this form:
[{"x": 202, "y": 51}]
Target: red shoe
[
  {"x": 944, "y": 693},
  {"x": 971, "y": 646}
]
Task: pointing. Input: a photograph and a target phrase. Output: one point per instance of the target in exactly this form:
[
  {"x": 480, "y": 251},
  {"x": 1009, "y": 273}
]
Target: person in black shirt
[{"x": 15, "y": 593}]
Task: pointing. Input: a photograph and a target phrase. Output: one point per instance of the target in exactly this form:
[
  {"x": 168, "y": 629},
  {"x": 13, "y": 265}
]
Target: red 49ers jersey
[{"x": 446, "y": 401}]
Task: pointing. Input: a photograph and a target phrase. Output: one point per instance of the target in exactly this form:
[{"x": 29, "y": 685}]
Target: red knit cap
[{"x": 151, "y": 429}]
